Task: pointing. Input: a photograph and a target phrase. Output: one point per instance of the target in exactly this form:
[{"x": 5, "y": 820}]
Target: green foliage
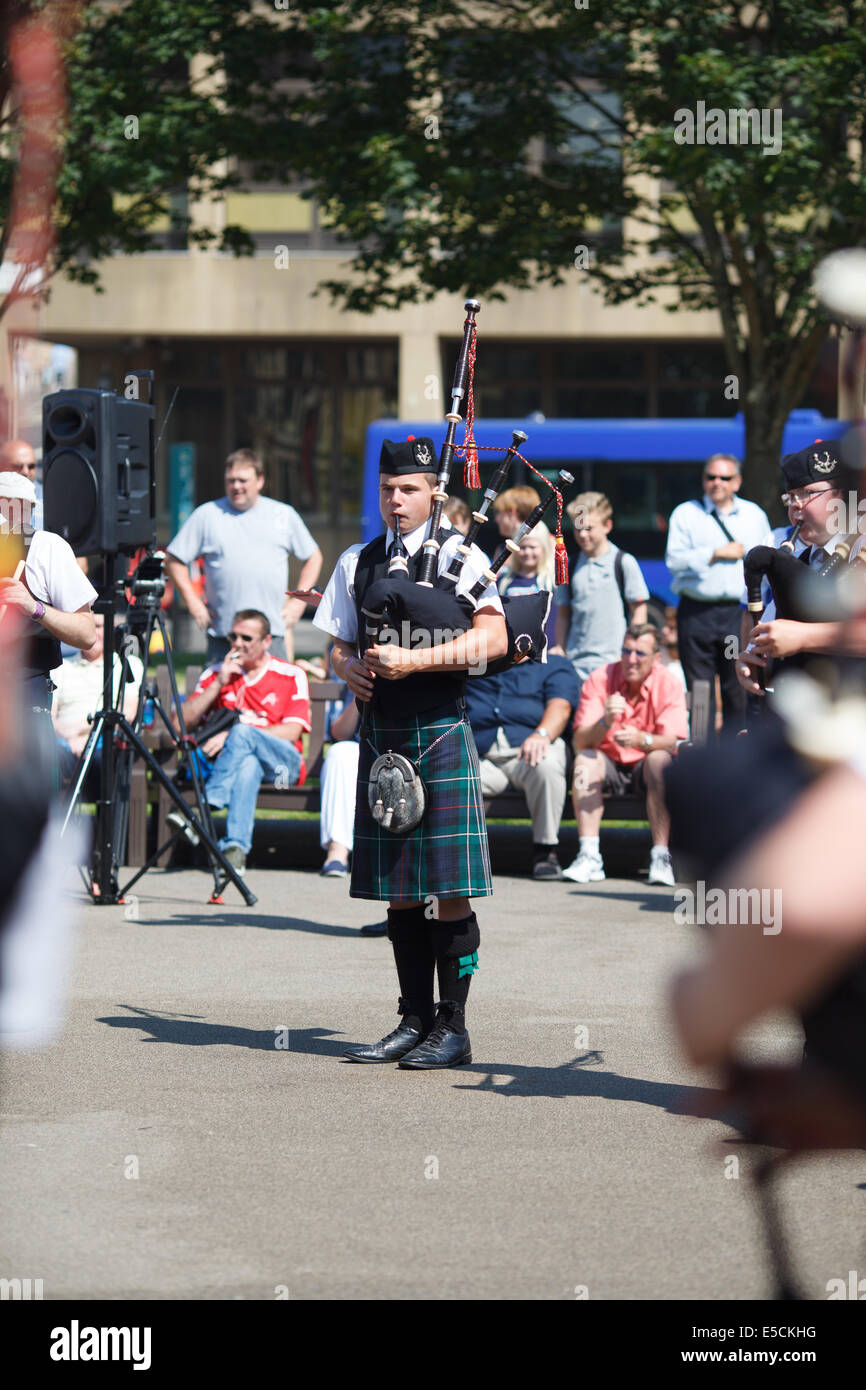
[
  {"x": 132, "y": 59},
  {"x": 531, "y": 151},
  {"x": 472, "y": 147}
]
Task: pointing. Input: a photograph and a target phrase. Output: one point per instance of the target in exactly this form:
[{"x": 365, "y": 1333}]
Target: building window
[{"x": 619, "y": 380}]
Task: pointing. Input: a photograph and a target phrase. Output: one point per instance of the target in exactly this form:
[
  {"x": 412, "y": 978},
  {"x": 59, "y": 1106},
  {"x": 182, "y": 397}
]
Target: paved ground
[{"x": 556, "y": 1160}]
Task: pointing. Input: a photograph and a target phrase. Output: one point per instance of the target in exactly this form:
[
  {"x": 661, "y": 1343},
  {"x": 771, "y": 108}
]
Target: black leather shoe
[
  {"x": 391, "y": 1048},
  {"x": 547, "y": 867},
  {"x": 441, "y": 1048}
]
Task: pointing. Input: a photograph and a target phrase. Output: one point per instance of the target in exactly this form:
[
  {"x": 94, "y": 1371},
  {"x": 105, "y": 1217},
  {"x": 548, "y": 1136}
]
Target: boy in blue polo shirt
[{"x": 608, "y": 591}]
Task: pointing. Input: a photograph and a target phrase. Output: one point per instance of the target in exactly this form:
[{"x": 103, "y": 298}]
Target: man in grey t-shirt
[
  {"x": 591, "y": 621},
  {"x": 245, "y": 541}
]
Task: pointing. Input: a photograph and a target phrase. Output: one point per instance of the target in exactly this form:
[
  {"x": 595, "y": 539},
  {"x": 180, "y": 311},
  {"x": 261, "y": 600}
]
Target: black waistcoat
[{"x": 415, "y": 694}]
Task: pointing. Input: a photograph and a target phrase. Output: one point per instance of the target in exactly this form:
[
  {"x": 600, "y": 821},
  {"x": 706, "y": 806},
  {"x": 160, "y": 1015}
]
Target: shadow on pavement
[
  {"x": 190, "y": 1030},
  {"x": 648, "y": 902},
  {"x": 243, "y": 918},
  {"x": 578, "y": 1077}
]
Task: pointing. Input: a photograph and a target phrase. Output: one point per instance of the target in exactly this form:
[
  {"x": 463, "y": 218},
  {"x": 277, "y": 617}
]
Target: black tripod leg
[
  {"x": 202, "y": 807},
  {"x": 83, "y": 768},
  {"x": 212, "y": 847},
  {"x": 780, "y": 1260}
]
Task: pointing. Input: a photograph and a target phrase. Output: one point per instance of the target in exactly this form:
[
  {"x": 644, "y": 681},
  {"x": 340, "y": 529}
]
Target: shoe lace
[{"x": 441, "y": 1028}]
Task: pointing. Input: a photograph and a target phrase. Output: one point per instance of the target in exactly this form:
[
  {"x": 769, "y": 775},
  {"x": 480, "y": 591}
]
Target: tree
[
  {"x": 162, "y": 109},
  {"x": 473, "y": 148}
]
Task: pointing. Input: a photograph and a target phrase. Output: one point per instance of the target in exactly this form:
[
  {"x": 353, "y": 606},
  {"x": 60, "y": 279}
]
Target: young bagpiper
[{"x": 416, "y": 709}]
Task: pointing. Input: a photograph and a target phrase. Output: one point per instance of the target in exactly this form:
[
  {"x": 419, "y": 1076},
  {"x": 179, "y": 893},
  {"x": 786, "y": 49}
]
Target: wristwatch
[
  {"x": 543, "y": 733},
  {"x": 647, "y": 740},
  {"x": 38, "y": 612}
]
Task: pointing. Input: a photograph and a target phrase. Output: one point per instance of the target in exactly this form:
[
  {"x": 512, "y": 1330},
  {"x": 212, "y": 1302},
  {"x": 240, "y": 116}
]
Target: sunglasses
[
  {"x": 719, "y": 477},
  {"x": 240, "y": 637}
]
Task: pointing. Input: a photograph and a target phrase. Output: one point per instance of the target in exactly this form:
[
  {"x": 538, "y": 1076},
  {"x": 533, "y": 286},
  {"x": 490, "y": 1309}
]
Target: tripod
[{"x": 121, "y": 742}]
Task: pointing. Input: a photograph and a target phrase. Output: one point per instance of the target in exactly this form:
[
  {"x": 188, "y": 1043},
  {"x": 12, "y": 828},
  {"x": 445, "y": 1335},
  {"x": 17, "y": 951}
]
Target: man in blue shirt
[
  {"x": 517, "y": 719},
  {"x": 707, "y": 539}
]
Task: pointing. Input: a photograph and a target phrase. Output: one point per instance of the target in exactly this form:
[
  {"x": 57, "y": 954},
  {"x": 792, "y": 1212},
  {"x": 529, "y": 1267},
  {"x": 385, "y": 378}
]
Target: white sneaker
[
  {"x": 180, "y": 822},
  {"x": 661, "y": 869},
  {"x": 587, "y": 868}
]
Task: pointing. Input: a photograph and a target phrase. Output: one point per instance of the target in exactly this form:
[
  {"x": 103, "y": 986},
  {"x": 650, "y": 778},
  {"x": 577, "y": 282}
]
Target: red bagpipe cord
[{"x": 472, "y": 474}]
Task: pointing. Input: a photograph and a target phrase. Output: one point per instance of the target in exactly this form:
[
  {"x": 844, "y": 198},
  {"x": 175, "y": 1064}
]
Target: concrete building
[{"x": 260, "y": 361}]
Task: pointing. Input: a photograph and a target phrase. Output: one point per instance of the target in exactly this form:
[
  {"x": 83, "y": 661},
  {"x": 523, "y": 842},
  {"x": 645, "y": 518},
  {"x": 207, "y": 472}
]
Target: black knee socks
[
  {"x": 456, "y": 947},
  {"x": 423, "y": 946},
  {"x": 409, "y": 933}
]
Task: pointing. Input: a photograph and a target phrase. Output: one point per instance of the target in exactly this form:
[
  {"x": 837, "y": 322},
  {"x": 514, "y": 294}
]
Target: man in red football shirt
[{"x": 272, "y": 698}]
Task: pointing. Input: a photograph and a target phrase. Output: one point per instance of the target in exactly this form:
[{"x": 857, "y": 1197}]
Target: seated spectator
[
  {"x": 272, "y": 701},
  {"x": 607, "y": 590},
  {"x": 16, "y": 456},
  {"x": 512, "y": 507},
  {"x": 340, "y": 784},
  {"x": 630, "y": 721},
  {"x": 517, "y": 720},
  {"x": 533, "y": 571},
  {"x": 78, "y": 694},
  {"x": 458, "y": 514}
]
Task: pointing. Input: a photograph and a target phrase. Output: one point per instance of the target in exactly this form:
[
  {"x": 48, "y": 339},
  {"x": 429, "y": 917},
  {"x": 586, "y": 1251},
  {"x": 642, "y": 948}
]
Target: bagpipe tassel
[
  {"x": 561, "y": 558},
  {"x": 471, "y": 472}
]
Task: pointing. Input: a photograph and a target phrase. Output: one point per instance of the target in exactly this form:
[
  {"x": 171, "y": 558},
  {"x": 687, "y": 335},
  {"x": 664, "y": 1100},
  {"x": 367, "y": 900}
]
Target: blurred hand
[
  {"x": 534, "y": 748},
  {"x": 746, "y": 666},
  {"x": 778, "y": 639},
  {"x": 391, "y": 662},
  {"x": 214, "y": 745},
  {"x": 358, "y": 678},
  {"x": 628, "y": 736},
  {"x": 200, "y": 614},
  {"x": 733, "y": 550},
  {"x": 231, "y": 667},
  {"x": 14, "y": 594},
  {"x": 614, "y": 707}
]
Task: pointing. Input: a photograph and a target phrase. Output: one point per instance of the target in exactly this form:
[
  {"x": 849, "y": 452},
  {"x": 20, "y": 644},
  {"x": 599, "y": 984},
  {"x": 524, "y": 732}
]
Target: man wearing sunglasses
[
  {"x": 816, "y": 481},
  {"x": 707, "y": 539},
  {"x": 272, "y": 700}
]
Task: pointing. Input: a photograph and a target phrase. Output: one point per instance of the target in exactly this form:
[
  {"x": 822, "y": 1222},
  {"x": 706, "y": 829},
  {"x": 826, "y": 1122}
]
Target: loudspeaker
[{"x": 99, "y": 487}]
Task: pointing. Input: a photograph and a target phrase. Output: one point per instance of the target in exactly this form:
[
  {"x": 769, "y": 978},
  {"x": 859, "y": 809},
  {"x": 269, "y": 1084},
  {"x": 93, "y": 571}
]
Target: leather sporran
[{"x": 396, "y": 792}]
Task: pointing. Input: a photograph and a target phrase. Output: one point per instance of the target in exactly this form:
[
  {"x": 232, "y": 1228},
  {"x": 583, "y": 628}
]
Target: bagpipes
[
  {"x": 800, "y": 593},
  {"x": 431, "y": 604}
]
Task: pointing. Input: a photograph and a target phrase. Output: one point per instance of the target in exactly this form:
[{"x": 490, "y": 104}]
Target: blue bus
[{"x": 645, "y": 467}]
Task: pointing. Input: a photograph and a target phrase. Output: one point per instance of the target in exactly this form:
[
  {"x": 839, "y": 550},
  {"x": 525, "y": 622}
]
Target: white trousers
[{"x": 339, "y": 787}]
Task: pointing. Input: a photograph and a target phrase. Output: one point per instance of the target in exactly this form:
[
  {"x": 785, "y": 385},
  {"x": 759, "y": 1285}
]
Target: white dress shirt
[
  {"x": 337, "y": 615},
  {"x": 693, "y": 537}
]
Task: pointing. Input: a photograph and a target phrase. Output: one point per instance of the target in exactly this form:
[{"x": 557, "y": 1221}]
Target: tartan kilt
[{"x": 446, "y": 855}]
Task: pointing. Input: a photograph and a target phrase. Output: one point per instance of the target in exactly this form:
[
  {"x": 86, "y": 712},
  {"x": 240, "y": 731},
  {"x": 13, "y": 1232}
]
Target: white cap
[{"x": 17, "y": 485}]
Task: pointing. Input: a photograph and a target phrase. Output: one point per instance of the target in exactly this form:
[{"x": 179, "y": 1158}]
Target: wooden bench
[
  {"x": 511, "y": 804},
  {"x": 305, "y": 798}
]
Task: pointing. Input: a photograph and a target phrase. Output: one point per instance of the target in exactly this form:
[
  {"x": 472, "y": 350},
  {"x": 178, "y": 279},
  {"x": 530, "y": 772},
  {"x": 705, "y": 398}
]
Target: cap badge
[
  {"x": 423, "y": 455},
  {"x": 823, "y": 465}
]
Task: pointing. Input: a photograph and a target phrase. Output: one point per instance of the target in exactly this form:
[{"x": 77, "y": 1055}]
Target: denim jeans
[{"x": 249, "y": 757}]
